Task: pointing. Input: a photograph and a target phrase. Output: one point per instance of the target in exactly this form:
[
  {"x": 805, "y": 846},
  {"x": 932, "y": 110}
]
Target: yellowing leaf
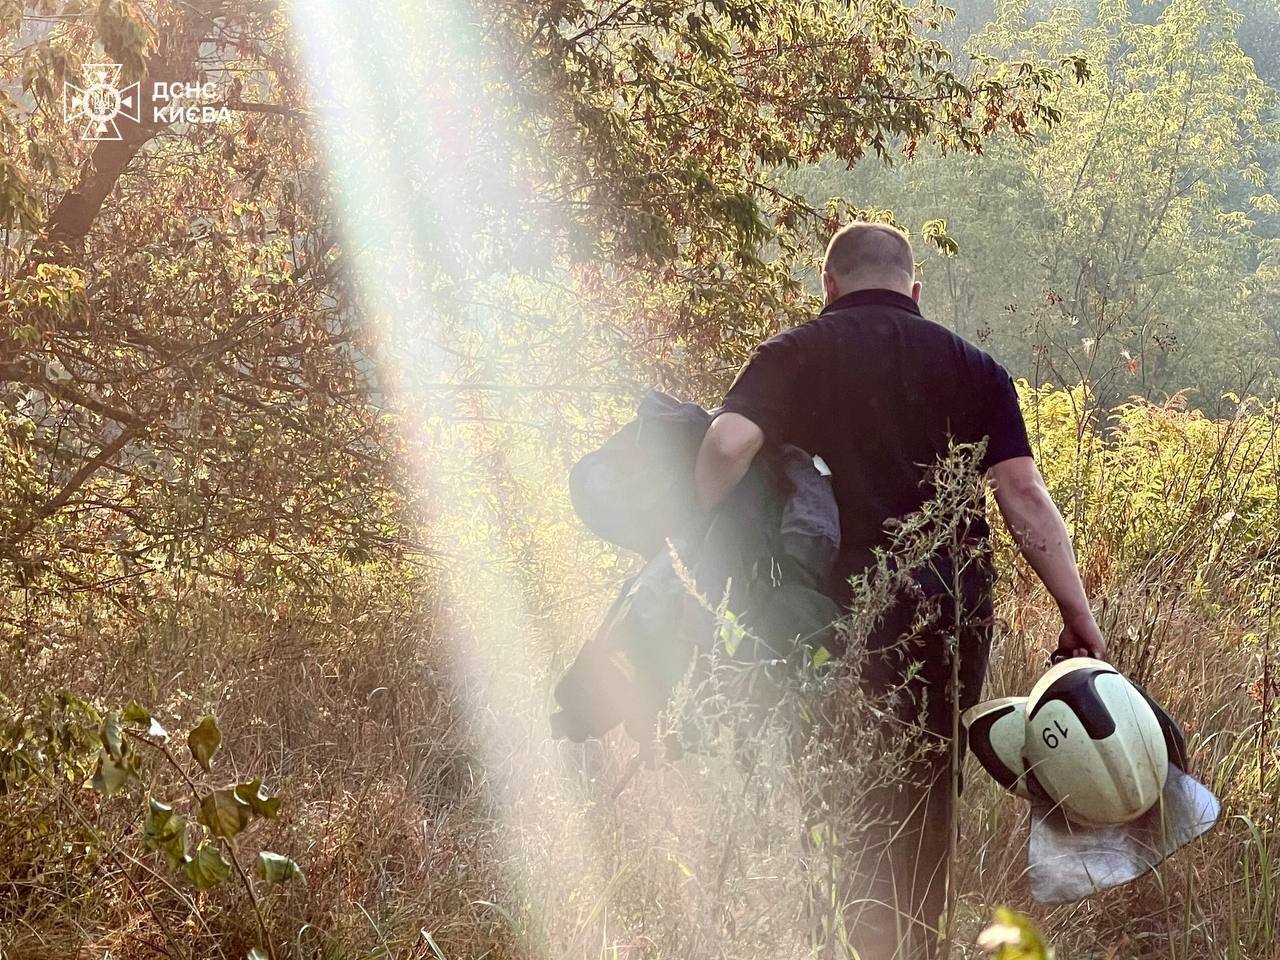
[
  {"x": 207, "y": 868},
  {"x": 260, "y": 802},
  {"x": 204, "y": 741},
  {"x": 224, "y": 813},
  {"x": 111, "y": 774},
  {"x": 165, "y": 831}
]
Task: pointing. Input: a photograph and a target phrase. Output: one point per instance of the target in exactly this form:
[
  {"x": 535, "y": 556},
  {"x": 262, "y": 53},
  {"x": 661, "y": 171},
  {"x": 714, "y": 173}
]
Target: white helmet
[
  {"x": 1094, "y": 744},
  {"x": 997, "y": 730}
]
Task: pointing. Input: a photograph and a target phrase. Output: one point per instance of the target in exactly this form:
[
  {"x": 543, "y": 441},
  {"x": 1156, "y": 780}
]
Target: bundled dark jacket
[{"x": 767, "y": 552}]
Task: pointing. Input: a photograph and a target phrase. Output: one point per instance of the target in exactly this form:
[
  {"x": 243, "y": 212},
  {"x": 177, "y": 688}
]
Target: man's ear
[
  {"x": 915, "y": 291},
  {"x": 830, "y": 287}
]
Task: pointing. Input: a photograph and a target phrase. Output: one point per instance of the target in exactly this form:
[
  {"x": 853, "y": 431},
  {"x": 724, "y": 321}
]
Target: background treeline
[
  {"x": 1133, "y": 246},
  {"x": 287, "y": 404}
]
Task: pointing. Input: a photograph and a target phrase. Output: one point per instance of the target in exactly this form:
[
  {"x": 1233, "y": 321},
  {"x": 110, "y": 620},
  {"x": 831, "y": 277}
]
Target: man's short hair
[{"x": 869, "y": 250}]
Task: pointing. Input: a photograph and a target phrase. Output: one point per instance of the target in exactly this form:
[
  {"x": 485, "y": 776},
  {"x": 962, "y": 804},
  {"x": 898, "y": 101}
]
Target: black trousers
[{"x": 927, "y": 659}]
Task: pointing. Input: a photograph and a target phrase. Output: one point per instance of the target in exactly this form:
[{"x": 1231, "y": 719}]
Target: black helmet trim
[
  {"x": 1174, "y": 740},
  {"x": 1078, "y": 691},
  {"x": 1035, "y": 788},
  {"x": 980, "y": 741}
]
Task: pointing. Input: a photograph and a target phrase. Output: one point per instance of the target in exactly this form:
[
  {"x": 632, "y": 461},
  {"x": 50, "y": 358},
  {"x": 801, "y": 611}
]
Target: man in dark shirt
[{"x": 879, "y": 392}]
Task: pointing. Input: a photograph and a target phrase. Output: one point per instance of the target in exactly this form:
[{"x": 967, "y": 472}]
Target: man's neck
[
  {"x": 884, "y": 296},
  {"x": 857, "y": 287}
]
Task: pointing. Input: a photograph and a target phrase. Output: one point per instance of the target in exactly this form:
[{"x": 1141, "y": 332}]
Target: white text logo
[{"x": 102, "y": 101}]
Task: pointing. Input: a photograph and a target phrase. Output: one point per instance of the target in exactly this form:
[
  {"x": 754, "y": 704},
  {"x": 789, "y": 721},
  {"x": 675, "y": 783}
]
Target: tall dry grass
[{"x": 435, "y": 822}]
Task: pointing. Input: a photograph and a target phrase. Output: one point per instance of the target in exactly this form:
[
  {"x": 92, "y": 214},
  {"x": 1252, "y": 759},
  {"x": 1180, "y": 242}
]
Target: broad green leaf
[
  {"x": 224, "y": 813},
  {"x": 158, "y": 815},
  {"x": 274, "y": 868},
  {"x": 260, "y": 802},
  {"x": 207, "y": 868},
  {"x": 165, "y": 831},
  {"x": 111, "y": 736},
  {"x": 111, "y": 774},
  {"x": 204, "y": 741}
]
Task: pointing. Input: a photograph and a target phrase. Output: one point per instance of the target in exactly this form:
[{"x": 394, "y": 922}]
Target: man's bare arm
[
  {"x": 731, "y": 443},
  {"x": 1041, "y": 534}
]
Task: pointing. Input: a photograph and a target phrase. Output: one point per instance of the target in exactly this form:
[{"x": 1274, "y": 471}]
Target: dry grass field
[{"x": 433, "y": 817}]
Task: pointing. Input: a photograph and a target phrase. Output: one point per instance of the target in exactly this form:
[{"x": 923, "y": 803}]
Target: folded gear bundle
[{"x": 766, "y": 553}]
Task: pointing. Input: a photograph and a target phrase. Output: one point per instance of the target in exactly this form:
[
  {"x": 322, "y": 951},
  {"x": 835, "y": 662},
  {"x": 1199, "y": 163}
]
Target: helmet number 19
[{"x": 1052, "y": 739}]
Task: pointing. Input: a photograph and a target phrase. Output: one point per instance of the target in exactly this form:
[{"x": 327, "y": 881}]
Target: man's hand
[{"x": 1080, "y": 637}]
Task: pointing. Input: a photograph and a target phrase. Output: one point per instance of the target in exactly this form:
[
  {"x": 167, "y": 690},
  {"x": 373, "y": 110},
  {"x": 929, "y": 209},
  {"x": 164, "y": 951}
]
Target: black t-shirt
[{"x": 878, "y": 392}]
